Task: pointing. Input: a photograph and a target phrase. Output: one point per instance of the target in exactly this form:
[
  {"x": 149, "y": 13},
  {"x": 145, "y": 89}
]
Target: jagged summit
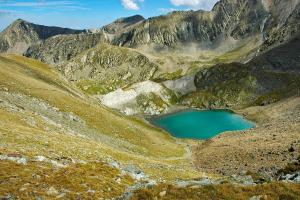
[
  {"x": 122, "y": 23},
  {"x": 19, "y": 21},
  {"x": 230, "y": 19},
  {"x": 131, "y": 19},
  {"x": 18, "y": 36},
  {"x": 225, "y": 27}
]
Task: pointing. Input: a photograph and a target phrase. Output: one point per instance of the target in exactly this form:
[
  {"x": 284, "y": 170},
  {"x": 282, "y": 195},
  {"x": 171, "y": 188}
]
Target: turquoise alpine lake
[{"x": 193, "y": 124}]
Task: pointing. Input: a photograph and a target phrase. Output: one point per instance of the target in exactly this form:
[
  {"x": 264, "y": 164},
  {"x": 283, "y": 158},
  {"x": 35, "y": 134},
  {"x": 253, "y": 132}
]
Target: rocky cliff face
[
  {"x": 283, "y": 23},
  {"x": 235, "y": 19},
  {"x": 229, "y": 21},
  {"x": 268, "y": 78},
  {"x": 21, "y": 34},
  {"x": 61, "y": 48},
  {"x": 106, "y": 68},
  {"x": 284, "y": 58},
  {"x": 122, "y": 24}
]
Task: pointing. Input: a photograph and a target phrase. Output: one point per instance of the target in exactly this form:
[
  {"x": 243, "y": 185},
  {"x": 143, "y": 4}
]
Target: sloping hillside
[
  {"x": 283, "y": 24},
  {"x": 44, "y": 118},
  {"x": 59, "y": 49},
  {"x": 263, "y": 150},
  {"x": 284, "y": 58},
  {"x": 268, "y": 78},
  {"x": 106, "y": 68},
  {"x": 183, "y": 42}
]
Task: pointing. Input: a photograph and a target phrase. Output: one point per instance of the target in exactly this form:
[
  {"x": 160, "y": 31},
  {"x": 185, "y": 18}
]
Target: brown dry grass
[
  {"x": 264, "y": 148},
  {"x": 135, "y": 142},
  {"x": 275, "y": 190},
  {"x": 77, "y": 181}
]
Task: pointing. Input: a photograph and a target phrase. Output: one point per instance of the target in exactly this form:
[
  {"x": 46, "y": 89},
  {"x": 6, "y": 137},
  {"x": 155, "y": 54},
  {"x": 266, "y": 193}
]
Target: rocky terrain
[
  {"x": 286, "y": 15},
  {"x": 181, "y": 44},
  {"x": 62, "y": 48},
  {"x": 35, "y": 119},
  {"x": 21, "y": 34},
  {"x": 264, "y": 149},
  {"x": 73, "y": 105},
  {"x": 270, "y": 77},
  {"x": 122, "y": 24},
  {"x": 106, "y": 68},
  {"x": 207, "y": 29},
  {"x": 146, "y": 97}
]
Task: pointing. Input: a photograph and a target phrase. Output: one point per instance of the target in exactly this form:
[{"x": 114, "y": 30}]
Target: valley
[{"x": 74, "y": 105}]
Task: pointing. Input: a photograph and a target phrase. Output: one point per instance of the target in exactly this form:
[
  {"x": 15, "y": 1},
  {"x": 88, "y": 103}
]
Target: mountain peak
[
  {"x": 122, "y": 23},
  {"x": 19, "y": 35},
  {"x": 131, "y": 19},
  {"x": 19, "y": 21}
]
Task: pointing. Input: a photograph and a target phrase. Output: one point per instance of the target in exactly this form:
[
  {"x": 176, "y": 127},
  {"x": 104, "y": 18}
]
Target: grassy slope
[
  {"x": 129, "y": 140},
  {"x": 268, "y": 78},
  {"x": 184, "y": 61},
  {"x": 77, "y": 181},
  {"x": 264, "y": 148},
  {"x": 238, "y": 86},
  {"x": 221, "y": 192}
]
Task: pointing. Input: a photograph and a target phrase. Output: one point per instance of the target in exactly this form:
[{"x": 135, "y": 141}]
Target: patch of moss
[
  {"x": 151, "y": 100},
  {"x": 95, "y": 87},
  {"x": 169, "y": 76}
]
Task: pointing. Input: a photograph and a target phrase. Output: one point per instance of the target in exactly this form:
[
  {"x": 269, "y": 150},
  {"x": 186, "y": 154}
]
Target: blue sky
[{"x": 80, "y": 14}]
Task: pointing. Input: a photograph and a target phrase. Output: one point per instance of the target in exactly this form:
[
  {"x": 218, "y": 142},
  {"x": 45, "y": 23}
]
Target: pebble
[
  {"x": 163, "y": 193},
  {"x": 256, "y": 197},
  {"x": 91, "y": 191},
  {"x": 52, "y": 191},
  {"x": 22, "y": 189},
  {"x": 118, "y": 180},
  {"x": 61, "y": 195}
]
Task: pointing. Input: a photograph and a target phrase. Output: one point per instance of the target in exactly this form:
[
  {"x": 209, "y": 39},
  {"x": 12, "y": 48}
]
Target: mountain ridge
[{"x": 21, "y": 34}]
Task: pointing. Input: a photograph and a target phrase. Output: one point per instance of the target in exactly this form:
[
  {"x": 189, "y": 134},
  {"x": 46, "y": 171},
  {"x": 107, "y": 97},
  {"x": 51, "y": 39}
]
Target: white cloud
[
  {"x": 197, "y": 4},
  {"x": 131, "y": 4}
]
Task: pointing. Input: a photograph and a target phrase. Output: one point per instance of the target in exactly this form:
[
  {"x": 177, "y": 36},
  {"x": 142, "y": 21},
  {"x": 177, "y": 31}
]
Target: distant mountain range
[
  {"x": 167, "y": 47},
  {"x": 229, "y": 21}
]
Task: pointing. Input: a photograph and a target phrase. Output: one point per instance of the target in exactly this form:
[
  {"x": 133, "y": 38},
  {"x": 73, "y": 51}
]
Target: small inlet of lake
[{"x": 193, "y": 124}]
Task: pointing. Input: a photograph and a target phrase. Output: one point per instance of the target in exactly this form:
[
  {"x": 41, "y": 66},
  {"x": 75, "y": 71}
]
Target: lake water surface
[{"x": 195, "y": 124}]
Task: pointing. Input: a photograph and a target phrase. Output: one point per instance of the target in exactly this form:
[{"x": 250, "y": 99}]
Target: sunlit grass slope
[{"x": 41, "y": 114}]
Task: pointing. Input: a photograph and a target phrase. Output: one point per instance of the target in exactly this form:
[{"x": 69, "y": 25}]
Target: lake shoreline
[{"x": 199, "y": 124}]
